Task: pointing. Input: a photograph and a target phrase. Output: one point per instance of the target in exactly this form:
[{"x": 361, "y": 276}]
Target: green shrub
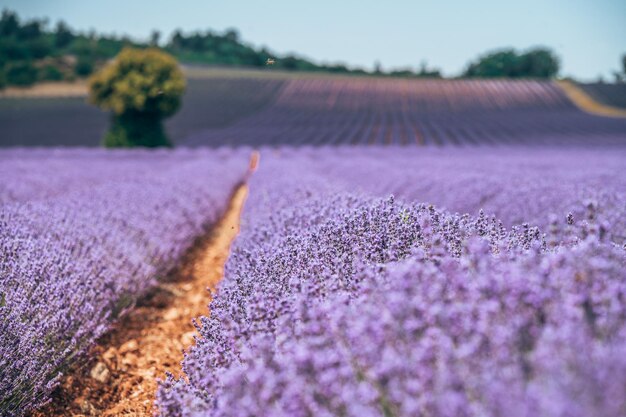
[
  {"x": 51, "y": 73},
  {"x": 21, "y": 73},
  {"x": 141, "y": 88},
  {"x": 84, "y": 65}
]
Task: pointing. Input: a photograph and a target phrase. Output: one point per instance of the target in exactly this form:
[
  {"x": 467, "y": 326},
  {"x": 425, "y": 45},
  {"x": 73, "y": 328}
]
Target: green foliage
[
  {"x": 508, "y": 63},
  {"x": 136, "y": 129},
  {"x": 84, "y": 65},
  {"x": 9, "y": 24},
  {"x": 155, "y": 37},
  {"x": 211, "y": 48},
  {"x": 20, "y": 73},
  {"x": 51, "y": 73},
  {"x": 63, "y": 35},
  {"x": 539, "y": 63},
  {"x": 424, "y": 72},
  {"x": 139, "y": 80},
  {"x": 31, "y": 43},
  {"x": 141, "y": 87}
]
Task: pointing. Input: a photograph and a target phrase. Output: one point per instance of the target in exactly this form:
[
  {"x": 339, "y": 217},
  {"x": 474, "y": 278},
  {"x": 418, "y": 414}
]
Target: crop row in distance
[
  {"x": 417, "y": 112},
  {"x": 248, "y": 110}
]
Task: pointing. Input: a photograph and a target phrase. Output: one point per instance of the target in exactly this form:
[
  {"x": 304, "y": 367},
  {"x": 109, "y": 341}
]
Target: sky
[{"x": 589, "y": 36}]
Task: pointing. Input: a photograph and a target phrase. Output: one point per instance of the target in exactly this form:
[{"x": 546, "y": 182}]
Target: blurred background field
[
  {"x": 228, "y": 106},
  {"x": 241, "y": 94}
]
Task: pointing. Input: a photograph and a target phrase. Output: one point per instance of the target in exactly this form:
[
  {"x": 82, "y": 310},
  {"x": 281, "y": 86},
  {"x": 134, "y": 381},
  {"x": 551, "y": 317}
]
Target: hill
[{"x": 234, "y": 107}]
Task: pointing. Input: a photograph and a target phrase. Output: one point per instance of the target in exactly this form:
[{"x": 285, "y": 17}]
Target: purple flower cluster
[
  {"x": 517, "y": 185},
  {"x": 83, "y": 233},
  {"x": 337, "y": 302}
]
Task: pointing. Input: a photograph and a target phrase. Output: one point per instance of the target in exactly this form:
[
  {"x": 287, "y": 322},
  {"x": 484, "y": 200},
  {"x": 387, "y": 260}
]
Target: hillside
[{"x": 235, "y": 107}]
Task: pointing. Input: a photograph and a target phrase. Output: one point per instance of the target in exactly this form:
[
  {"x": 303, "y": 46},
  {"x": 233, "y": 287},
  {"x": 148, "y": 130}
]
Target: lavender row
[
  {"x": 82, "y": 234},
  {"x": 336, "y": 302},
  {"x": 517, "y": 185},
  {"x": 331, "y": 111}
]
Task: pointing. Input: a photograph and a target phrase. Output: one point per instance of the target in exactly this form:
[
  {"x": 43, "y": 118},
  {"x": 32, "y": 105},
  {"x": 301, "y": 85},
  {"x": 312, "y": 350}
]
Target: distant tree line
[
  {"x": 535, "y": 63},
  {"x": 30, "y": 51}
]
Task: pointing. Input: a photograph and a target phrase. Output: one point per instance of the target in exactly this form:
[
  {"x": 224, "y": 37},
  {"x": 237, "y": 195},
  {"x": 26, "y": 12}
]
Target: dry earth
[
  {"x": 120, "y": 379},
  {"x": 587, "y": 103},
  {"x": 47, "y": 90}
]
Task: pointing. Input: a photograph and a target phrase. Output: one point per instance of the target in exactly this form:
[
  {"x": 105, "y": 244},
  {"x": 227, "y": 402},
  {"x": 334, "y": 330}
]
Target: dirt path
[
  {"x": 120, "y": 378},
  {"x": 587, "y": 103},
  {"x": 47, "y": 90}
]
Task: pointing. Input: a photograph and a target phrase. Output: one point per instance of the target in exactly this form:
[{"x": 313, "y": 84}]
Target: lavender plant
[
  {"x": 338, "y": 302},
  {"x": 83, "y": 233}
]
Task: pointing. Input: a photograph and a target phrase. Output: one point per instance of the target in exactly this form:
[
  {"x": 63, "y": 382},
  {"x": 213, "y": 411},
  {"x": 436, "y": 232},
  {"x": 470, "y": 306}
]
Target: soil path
[
  {"x": 587, "y": 103},
  {"x": 47, "y": 90},
  {"x": 120, "y": 379}
]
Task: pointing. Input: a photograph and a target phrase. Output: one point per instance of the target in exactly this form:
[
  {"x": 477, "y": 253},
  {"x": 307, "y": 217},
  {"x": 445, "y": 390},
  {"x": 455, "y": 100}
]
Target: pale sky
[{"x": 588, "y": 35}]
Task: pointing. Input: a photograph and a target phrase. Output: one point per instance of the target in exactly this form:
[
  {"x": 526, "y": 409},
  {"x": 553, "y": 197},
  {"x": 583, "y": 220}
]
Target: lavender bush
[
  {"x": 83, "y": 233},
  {"x": 518, "y": 185},
  {"x": 337, "y": 302}
]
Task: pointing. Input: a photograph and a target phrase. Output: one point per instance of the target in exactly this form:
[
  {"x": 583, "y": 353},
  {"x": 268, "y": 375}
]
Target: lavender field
[
  {"x": 83, "y": 234},
  {"x": 340, "y": 299},
  {"x": 362, "y": 111},
  {"x": 407, "y": 248}
]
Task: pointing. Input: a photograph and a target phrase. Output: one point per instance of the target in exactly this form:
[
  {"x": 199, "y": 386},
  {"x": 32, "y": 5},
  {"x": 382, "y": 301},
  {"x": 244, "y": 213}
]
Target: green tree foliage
[
  {"x": 84, "y": 65},
  {"x": 155, "y": 37},
  {"x": 140, "y": 88},
  {"x": 135, "y": 129},
  {"x": 20, "y": 73},
  {"x": 508, "y": 63},
  {"x": 50, "y": 73},
  {"x": 27, "y": 40},
  {"x": 30, "y": 44},
  {"x": 63, "y": 35},
  {"x": 9, "y": 24}
]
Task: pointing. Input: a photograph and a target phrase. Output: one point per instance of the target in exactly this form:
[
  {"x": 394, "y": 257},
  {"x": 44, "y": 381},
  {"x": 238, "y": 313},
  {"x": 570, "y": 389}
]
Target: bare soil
[
  {"x": 47, "y": 89},
  {"x": 120, "y": 378}
]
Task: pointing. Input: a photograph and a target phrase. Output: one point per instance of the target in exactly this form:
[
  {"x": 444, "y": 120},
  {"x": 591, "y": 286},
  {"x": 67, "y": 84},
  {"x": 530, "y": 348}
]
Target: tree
[
  {"x": 538, "y": 63},
  {"x": 425, "y": 72},
  {"x": 232, "y": 35},
  {"x": 140, "y": 88},
  {"x": 62, "y": 35},
  {"x": 9, "y": 24},
  {"x": 495, "y": 64},
  {"x": 31, "y": 30},
  {"x": 535, "y": 63},
  {"x": 155, "y": 36}
]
